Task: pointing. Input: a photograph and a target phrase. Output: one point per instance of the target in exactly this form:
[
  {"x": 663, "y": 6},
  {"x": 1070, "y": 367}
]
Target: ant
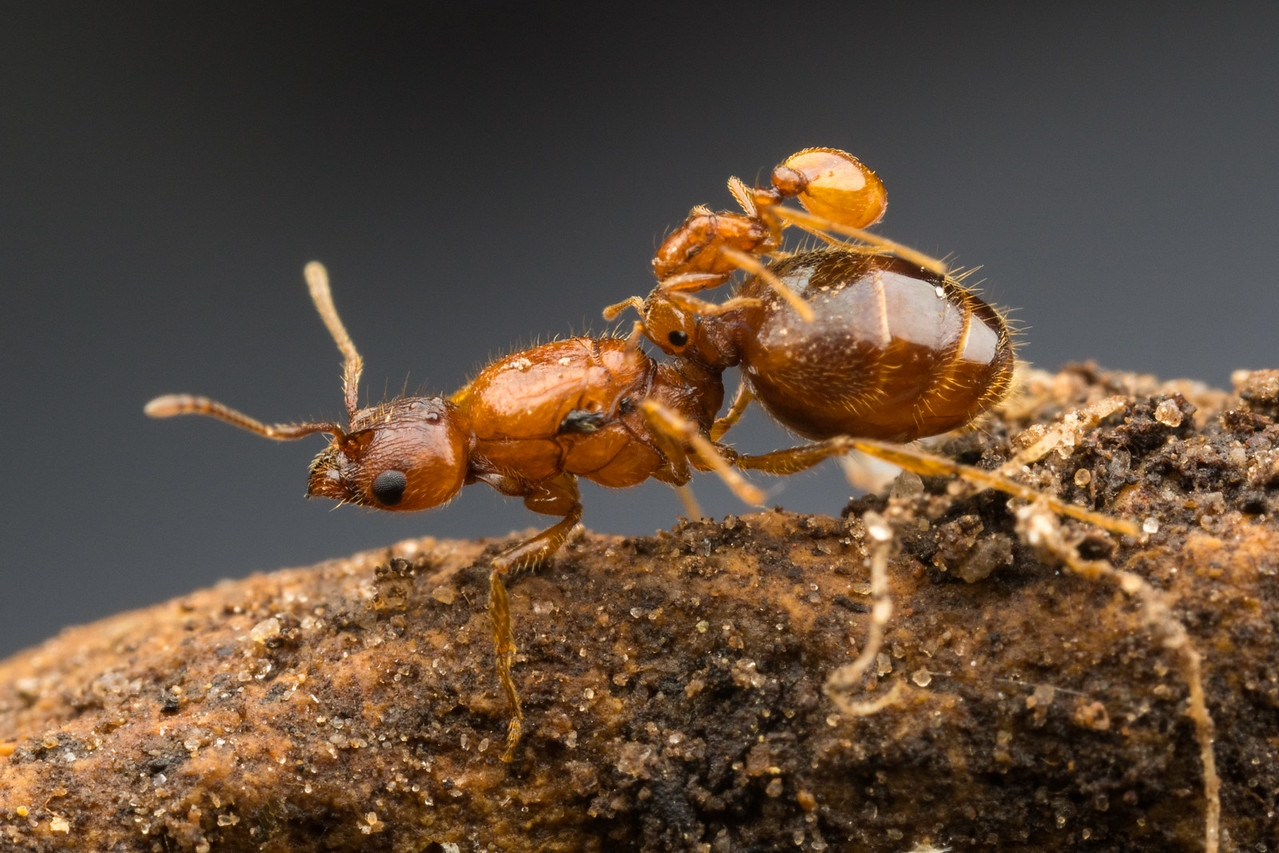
[
  {"x": 531, "y": 423},
  {"x": 528, "y": 425},
  {"x": 858, "y": 346}
]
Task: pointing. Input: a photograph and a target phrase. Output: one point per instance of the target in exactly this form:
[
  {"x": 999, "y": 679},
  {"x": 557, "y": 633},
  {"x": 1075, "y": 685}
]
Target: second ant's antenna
[{"x": 317, "y": 279}]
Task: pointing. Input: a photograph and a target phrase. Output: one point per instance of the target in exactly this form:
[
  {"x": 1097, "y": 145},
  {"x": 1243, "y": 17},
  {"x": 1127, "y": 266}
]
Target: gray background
[{"x": 483, "y": 176}]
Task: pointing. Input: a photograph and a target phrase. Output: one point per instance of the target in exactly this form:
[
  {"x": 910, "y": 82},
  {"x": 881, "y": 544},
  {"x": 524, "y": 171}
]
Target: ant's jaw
[
  {"x": 336, "y": 470},
  {"x": 332, "y": 476}
]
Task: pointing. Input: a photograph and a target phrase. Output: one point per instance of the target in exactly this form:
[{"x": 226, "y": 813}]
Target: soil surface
[{"x": 674, "y": 687}]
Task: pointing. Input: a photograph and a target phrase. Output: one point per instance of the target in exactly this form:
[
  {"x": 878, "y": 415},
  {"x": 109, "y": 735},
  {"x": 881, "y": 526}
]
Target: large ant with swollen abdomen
[
  {"x": 862, "y": 346},
  {"x": 854, "y": 346},
  {"x": 870, "y": 340},
  {"x": 528, "y": 425}
]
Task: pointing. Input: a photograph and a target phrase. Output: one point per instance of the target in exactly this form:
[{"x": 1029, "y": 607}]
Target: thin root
[
  {"x": 844, "y": 680},
  {"x": 1040, "y": 528}
]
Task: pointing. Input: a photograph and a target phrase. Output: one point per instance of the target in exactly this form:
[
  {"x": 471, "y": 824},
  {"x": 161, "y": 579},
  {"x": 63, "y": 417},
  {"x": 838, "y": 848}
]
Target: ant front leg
[{"x": 558, "y": 496}]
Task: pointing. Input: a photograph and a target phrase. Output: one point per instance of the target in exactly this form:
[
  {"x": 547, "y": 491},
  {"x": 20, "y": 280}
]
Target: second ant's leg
[
  {"x": 758, "y": 268},
  {"x": 555, "y": 497},
  {"x": 795, "y": 459},
  {"x": 929, "y": 465},
  {"x": 674, "y": 432},
  {"x": 815, "y": 224},
  {"x": 783, "y": 462},
  {"x": 734, "y": 414}
]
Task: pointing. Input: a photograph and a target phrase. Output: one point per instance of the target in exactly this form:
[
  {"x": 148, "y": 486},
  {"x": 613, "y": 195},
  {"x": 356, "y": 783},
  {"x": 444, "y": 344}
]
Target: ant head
[
  {"x": 407, "y": 454},
  {"x": 664, "y": 319},
  {"x": 687, "y": 327},
  {"x": 684, "y": 326},
  {"x": 670, "y": 324}
]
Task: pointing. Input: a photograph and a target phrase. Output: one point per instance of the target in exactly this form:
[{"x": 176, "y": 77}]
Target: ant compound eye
[
  {"x": 677, "y": 338},
  {"x": 388, "y": 487}
]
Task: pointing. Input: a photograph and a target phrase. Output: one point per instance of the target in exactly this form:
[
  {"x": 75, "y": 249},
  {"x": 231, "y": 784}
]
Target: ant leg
[
  {"x": 692, "y": 509},
  {"x": 782, "y": 462},
  {"x": 674, "y": 432},
  {"x": 752, "y": 264},
  {"x": 740, "y": 401},
  {"x": 558, "y": 496},
  {"x": 703, "y": 308},
  {"x": 504, "y": 649},
  {"x": 677, "y": 472},
  {"x": 812, "y": 223},
  {"x": 929, "y": 465},
  {"x": 690, "y": 282}
]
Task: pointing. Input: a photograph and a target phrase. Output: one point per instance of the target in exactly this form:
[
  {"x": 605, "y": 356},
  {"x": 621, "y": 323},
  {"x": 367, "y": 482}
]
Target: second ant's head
[
  {"x": 407, "y": 455},
  {"x": 683, "y": 326}
]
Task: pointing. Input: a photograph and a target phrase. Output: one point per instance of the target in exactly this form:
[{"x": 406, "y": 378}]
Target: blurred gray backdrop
[{"x": 482, "y": 176}]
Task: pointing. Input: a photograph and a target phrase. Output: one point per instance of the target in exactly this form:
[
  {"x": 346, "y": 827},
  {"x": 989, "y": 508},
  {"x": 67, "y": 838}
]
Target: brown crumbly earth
[{"x": 673, "y": 685}]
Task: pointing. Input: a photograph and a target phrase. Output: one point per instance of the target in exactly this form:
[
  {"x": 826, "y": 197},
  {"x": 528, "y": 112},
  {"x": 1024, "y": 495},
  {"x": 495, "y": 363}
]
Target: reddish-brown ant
[
  {"x": 856, "y": 346},
  {"x": 859, "y": 346},
  {"x": 528, "y": 425}
]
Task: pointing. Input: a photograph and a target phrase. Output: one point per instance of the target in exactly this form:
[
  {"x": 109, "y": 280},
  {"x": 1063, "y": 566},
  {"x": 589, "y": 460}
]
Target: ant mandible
[
  {"x": 858, "y": 346},
  {"x": 528, "y": 425}
]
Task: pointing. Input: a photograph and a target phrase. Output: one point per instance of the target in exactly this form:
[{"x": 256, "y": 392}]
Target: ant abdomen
[{"x": 894, "y": 352}]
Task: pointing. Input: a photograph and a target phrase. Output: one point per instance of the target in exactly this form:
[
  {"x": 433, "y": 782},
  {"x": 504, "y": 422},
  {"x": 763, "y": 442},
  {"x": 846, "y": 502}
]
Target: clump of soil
[{"x": 674, "y": 686}]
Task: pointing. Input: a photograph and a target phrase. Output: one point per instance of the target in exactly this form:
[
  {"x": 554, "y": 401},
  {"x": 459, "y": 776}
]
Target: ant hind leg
[
  {"x": 792, "y": 460},
  {"x": 817, "y": 224},
  {"x": 741, "y": 400}
]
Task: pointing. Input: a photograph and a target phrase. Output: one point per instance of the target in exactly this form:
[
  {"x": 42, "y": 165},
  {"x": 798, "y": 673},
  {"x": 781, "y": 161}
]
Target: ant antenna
[
  {"x": 187, "y": 404},
  {"x": 317, "y": 279}
]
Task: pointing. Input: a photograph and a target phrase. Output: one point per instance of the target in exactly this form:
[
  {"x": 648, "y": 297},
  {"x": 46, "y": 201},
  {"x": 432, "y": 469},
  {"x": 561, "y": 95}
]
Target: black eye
[
  {"x": 677, "y": 338},
  {"x": 388, "y": 487}
]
